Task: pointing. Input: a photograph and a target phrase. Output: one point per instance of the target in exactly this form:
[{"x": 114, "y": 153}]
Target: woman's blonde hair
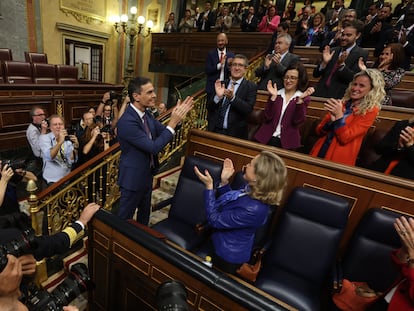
[
  {"x": 375, "y": 96},
  {"x": 271, "y": 175}
]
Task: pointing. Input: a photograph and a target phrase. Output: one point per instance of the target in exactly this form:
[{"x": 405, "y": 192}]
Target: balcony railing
[{"x": 96, "y": 180}]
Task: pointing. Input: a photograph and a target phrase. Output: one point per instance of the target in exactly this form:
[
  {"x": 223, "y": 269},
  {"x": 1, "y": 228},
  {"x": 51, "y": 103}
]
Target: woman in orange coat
[{"x": 348, "y": 119}]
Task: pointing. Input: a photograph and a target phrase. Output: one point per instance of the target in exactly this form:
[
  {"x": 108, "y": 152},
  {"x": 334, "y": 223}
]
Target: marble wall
[{"x": 13, "y": 27}]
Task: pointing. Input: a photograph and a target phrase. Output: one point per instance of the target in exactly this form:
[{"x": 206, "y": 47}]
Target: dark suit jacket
[
  {"x": 292, "y": 119},
  {"x": 246, "y": 27},
  {"x": 341, "y": 78},
  {"x": 388, "y": 149},
  {"x": 211, "y": 70},
  {"x": 275, "y": 72},
  {"x": 135, "y": 172},
  {"x": 211, "y": 21},
  {"x": 240, "y": 108}
]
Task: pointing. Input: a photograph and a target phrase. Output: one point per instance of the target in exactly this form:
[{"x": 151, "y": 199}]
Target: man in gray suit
[{"x": 275, "y": 64}]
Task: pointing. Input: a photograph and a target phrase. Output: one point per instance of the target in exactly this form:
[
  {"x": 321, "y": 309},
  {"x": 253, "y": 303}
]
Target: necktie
[
  {"x": 223, "y": 108},
  {"x": 221, "y": 56},
  {"x": 146, "y": 127},
  {"x": 334, "y": 69},
  {"x": 148, "y": 131}
]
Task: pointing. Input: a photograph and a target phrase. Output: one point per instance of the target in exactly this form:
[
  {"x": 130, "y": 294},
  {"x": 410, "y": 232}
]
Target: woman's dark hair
[
  {"x": 303, "y": 80},
  {"x": 398, "y": 55}
]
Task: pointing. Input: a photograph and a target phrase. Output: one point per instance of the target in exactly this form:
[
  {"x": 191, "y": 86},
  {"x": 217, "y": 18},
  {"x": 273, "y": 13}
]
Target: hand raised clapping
[{"x": 335, "y": 108}]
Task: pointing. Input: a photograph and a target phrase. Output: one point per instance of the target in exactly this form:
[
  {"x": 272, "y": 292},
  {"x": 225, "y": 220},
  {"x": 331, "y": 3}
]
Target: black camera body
[
  {"x": 113, "y": 95},
  {"x": 77, "y": 282},
  {"x": 15, "y": 164},
  {"x": 22, "y": 245},
  {"x": 106, "y": 129}
]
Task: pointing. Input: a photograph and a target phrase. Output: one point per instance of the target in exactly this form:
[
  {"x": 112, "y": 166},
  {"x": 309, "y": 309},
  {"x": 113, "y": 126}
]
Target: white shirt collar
[{"x": 140, "y": 113}]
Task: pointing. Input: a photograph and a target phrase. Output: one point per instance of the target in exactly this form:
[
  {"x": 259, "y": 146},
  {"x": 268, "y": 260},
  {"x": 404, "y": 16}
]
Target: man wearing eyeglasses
[
  {"x": 35, "y": 129},
  {"x": 233, "y": 101},
  {"x": 275, "y": 63}
]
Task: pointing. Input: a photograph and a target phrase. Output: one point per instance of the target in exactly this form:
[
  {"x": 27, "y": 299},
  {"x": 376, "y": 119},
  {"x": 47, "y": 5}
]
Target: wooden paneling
[
  {"x": 128, "y": 273},
  {"x": 191, "y": 49},
  {"x": 16, "y": 101}
]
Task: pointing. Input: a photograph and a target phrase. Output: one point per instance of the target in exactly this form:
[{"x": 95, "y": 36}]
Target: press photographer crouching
[{"x": 18, "y": 254}]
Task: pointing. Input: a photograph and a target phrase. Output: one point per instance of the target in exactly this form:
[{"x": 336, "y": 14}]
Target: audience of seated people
[
  {"x": 285, "y": 111},
  {"x": 235, "y": 215}
]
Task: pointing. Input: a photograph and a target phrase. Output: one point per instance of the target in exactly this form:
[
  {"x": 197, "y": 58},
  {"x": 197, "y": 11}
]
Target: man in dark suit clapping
[
  {"x": 141, "y": 138},
  {"x": 234, "y": 99},
  {"x": 275, "y": 63},
  {"x": 340, "y": 64}
]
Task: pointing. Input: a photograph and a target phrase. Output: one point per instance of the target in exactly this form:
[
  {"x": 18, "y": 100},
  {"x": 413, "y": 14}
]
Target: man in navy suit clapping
[{"x": 141, "y": 138}]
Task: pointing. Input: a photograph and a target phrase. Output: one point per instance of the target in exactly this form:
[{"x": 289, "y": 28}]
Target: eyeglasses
[
  {"x": 40, "y": 114},
  {"x": 290, "y": 78},
  {"x": 107, "y": 110},
  {"x": 238, "y": 65}
]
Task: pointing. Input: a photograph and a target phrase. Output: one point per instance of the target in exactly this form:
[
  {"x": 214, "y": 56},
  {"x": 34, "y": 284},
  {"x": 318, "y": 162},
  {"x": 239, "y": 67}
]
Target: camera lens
[
  {"x": 77, "y": 282},
  {"x": 172, "y": 296}
]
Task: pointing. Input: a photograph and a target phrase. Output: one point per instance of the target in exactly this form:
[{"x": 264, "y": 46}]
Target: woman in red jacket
[{"x": 348, "y": 119}]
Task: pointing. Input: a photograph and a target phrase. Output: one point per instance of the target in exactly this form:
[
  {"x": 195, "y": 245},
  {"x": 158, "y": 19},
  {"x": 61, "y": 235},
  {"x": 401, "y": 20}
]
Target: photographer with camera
[
  {"x": 59, "y": 151},
  {"x": 11, "y": 174},
  {"x": 108, "y": 109},
  {"x": 94, "y": 140},
  {"x": 20, "y": 248}
]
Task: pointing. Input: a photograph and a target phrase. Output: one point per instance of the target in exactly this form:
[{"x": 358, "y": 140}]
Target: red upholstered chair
[
  {"x": 17, "y": 72},
  {"x": 5, "y": 54},
  {"x": 35, "y": 57},
  {"x": 66, "y": 74},
  {"x": 44, "y": 73}
]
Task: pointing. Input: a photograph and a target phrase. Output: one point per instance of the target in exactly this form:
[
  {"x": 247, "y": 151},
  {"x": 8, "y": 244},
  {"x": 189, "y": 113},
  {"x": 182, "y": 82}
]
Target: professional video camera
[
  {"x": 172, "y": 296},
  {"x": 17, "y": 247},
  {"x": 77, "y": 282}
]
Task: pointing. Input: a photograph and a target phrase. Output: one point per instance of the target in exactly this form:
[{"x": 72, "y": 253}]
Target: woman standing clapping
[
  {"x": 348, "y": 119},
  {"x": 270, "y": 21},
  {"x": 285, "y": 111}
]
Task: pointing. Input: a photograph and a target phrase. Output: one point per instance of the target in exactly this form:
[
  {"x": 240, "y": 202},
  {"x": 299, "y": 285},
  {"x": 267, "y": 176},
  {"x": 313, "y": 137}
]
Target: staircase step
[{"x": 169, "y": 182}]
